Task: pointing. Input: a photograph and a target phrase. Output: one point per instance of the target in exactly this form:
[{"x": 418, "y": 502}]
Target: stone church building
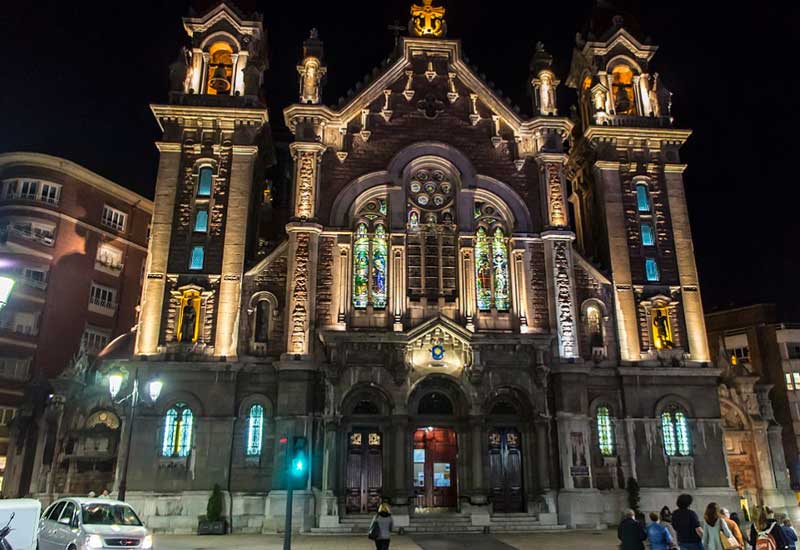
[{"x": 421, "y": 305}]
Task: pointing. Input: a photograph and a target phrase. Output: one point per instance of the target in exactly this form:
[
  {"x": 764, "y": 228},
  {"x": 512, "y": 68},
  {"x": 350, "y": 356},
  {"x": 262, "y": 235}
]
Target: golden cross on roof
[{"x": 427, "y": 20}]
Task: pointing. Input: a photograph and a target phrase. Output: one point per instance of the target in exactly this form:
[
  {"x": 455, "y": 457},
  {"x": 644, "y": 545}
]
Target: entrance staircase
[{"x": 446, "y": 523}]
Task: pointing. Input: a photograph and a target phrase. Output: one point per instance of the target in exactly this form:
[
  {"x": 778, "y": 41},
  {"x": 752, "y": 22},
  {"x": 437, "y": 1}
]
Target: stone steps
[{"x": 520, "y": 523}]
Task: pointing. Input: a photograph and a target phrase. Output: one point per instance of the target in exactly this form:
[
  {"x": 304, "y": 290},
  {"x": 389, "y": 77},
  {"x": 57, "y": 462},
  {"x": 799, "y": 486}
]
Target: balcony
[
  {"x": 12, "y": 368},
  {"x": 103, "y": 307},
  {"x": 109, "y": 267},
  {"x": 31, "y": 197},
  {"x": 16, "y": 234}
]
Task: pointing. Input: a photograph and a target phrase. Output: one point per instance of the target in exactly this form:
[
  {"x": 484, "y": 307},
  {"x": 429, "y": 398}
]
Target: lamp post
[
  {"x": 6, "y": 286},
  {"x": 115, "y": 380}
]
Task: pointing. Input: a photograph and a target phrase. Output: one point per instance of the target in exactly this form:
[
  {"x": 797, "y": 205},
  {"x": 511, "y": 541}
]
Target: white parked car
[{"x": 92, "y": 524}]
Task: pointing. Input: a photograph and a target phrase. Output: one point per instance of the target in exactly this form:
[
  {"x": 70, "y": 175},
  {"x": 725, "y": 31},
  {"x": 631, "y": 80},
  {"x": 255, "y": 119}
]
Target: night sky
[{"x": 78, "y": 78}]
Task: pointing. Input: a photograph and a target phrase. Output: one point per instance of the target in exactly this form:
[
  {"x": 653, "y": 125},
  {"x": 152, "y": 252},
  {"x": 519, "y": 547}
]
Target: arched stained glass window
[
  {"x": 605, "y": 431},
  {"x": 648, "y": 239},
  {"x": 642, "y": 198},
  {"x": 255, "y": 430},
  {"x": 500, "y": 252},
  {"x": 379, "y": 253},
  {"x": 204, "y": 182},
  {"x": 361, "y": 268},
  {"x": 675, "y": 430},
  {"x": 178, "y": 424},
  {"x": 491, "y": 270},
  {"x": 483, "y": 270}
]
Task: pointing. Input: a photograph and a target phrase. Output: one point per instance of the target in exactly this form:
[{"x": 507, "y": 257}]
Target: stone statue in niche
[
  {"x": 189, "y": 320},
  {"x": 547, "y": 94},
  {"x": 652, "y": 96},
  {"x": 661, "y": 325}
]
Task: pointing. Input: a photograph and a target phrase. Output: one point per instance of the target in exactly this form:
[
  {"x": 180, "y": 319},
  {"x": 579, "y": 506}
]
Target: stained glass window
[
  {"x": 379, "y": 253},
  {"x": 675, "y": 429},
  {"x": 500, "y": 270},
  {"x": 361, "y": 268},
  {"x": 201, "y": 221},
  {"x": 605, "y": 431},
  {"x": 204, "y": 182},
  {"x": 483, "y": 270},
  {"x": 647, "y": 235},
  {"x": 198, "y": 257},
  {"x": 651, "y": 269},
  {"x": 255, "y": 429},
  {"x": 177, "y": 440},
  {"x": 642, "y": 198}
]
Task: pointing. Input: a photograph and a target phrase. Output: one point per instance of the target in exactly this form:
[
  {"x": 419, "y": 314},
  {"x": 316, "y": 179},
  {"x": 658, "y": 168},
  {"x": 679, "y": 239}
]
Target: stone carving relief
[
  {"x": 558, "y": 215},
  {"x": 565, "y": 310},
  {"x": 304, "y": 204},
  {"x": 681, "y": 474},
  {"x": 299, "y": 313}
]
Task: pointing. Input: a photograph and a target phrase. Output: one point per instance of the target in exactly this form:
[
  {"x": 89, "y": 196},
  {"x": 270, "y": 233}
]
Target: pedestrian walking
[
  {"x": 687, "y": 525},
  {"x": 714, "y": 527},
  {"x": 630, "y": 532},
  {"x": 380, "y": 530},
  {"x": 657, "y": 535},
  {"x": 733, "y": 526},
  {"x": 766, "y": 528},
  {"x": 665, "y": 518},
  {"x": 790, "y": 533}
]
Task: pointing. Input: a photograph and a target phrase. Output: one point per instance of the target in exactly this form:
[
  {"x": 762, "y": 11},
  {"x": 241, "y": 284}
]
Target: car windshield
[{"x": 109, "y": 514}]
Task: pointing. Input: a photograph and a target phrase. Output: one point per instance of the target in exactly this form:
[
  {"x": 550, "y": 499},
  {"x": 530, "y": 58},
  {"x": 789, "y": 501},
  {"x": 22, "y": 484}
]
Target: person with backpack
[
  {"x": 714, "y": 527},
  {"x": 687, "y": 525},
  {"x": 789, "y": 533},
  {"x": 766, "y": 533},
  {"x": 630, "y": 532},
  {"x": 380, "y": 530},
  {"x": 657, "y": 535}
]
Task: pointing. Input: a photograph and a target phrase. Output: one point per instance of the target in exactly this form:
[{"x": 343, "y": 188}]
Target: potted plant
[{"x": 213, "y": 523}]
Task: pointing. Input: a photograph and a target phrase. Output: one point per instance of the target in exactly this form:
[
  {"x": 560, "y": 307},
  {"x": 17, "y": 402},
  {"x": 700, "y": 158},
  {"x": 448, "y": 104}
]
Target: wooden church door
[
  {"x": 505, "y": 466},
  {"x": 364, "y": 474}
]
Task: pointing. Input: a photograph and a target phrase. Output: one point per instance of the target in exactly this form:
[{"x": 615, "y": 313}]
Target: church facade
[{"x": 429, "y": 319}]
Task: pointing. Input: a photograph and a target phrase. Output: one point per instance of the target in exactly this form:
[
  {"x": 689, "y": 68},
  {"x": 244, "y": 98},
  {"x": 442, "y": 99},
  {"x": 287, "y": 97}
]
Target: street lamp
[
  {"x": 6, "y": 286},
  {"x": 115, "y": 379}
]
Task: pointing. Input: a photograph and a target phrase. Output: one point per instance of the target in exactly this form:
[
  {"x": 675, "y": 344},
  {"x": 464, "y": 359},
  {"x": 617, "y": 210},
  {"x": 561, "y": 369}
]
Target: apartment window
[
  {"x": 201, "y": 221},
  {"x": 651, "y": 269},
  {"x": 198, "y": 255},
  {"x": 793, "y": 349},
  {"x": 49, "y": 192},
  {"x": 113, "y": 218},
  {"x": 44, "y": 233},
  {"x": 642, "y": 198},
  {"x": 22, "y": 322},
  {"x": 796, "y": 379},
  {"x": 94, "y": 339},
  {"x": 14, "y": 368},
  {"x": 648, "y": 239},
  {"x": 102, "y": 296},
  {"x": 7, "y": 414},
  {"x": 10, "y": 189},
  {"x": 204, "y": 182},
  {"x": 109, "y": 257},
  {"x": 36, "y": 277},
  {"x": 789, "y": 384},
  {"x": 28, "y": 189}
]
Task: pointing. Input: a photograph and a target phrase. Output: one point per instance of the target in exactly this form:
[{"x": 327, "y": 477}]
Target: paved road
[{"x": 568, "y": 540}]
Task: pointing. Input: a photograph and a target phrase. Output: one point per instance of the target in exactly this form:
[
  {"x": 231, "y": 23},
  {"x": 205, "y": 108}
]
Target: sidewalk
[{"x": 565, "y": 540}]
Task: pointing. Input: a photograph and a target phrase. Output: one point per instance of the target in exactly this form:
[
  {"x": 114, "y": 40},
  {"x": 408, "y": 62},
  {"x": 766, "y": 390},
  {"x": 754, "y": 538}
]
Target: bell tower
[
  {"x": 215, "y": 134},
  {"x": 628, "y": 192}
]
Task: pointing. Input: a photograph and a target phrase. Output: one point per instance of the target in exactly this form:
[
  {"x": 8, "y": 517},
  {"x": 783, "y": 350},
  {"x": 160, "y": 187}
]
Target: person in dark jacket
[
  {"x": 687, "y": 525},
  {"x": 765, "y": 522},
  {"x": 631, "y": 534}
]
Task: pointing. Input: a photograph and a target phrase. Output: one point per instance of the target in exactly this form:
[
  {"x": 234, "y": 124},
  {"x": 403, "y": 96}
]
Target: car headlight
[
  {"x": 147, "y": 542},
  {"x": 94, "y": 541}
]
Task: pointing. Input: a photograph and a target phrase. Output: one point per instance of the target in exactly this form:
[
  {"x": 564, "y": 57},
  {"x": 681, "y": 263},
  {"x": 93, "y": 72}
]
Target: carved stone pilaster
[
  {"x": 307, "y": 157},
  {"x": 302, "y": 269},
  {"x": 563, "y": 293},
  {"x": 551, "y": 167}
]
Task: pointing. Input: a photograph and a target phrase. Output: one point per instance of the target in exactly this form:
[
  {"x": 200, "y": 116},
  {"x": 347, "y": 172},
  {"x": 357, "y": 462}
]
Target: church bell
[{"x": 219, "y": 80}]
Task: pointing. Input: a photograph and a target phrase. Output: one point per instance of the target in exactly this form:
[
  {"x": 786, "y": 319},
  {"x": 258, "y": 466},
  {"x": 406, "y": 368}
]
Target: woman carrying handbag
[
  {"x": 380, "y": 530},
  {"x": 716, "y": 535}
]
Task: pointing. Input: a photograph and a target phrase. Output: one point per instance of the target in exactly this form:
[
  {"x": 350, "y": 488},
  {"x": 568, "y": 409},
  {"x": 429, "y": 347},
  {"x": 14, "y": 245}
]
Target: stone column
[
  {"x": 147, "y": 335},
  {"x": 236, "y": 217},
  {"x": 467, "y": 282},
  {"x": 328, "y": 507},
  {"x": 607, "y": 176},
  {"x": 400, "y": 460},
  {"x": 398, "y": 278},
  {"x": 687, "y": 268},
  {"x": 519, "y": 284},
  {"x": 558, "y": 258},
  {"x": 542, "y": 454},
  {"x": 478, "y": 435}
]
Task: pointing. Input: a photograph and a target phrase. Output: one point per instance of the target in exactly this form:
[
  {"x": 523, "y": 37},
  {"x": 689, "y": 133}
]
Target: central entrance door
[
  {"x": 505, "y": 467},
  {"x": 364, "y": 471},
  {"x": 435, "y": 456}
]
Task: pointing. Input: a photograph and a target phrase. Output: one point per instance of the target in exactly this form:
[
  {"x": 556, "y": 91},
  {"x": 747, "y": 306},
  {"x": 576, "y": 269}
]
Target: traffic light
[{"x": 299, "y": 465}]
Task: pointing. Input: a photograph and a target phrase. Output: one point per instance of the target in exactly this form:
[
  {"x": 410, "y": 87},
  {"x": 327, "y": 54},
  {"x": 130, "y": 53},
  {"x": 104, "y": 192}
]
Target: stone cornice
[
  {"x": 225, "y": 117},
  {"x": 621, "y": 37},
  {"x": 626, "y": 133}
]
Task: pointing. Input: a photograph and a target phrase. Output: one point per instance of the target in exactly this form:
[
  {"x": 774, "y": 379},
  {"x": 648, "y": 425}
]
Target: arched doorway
[
  {"x": 438, "y": 405},
  {"x": 365, "y": 410}
]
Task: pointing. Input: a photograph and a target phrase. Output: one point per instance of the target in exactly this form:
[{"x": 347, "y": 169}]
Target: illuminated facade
[{"x": 429, "y": 319}]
